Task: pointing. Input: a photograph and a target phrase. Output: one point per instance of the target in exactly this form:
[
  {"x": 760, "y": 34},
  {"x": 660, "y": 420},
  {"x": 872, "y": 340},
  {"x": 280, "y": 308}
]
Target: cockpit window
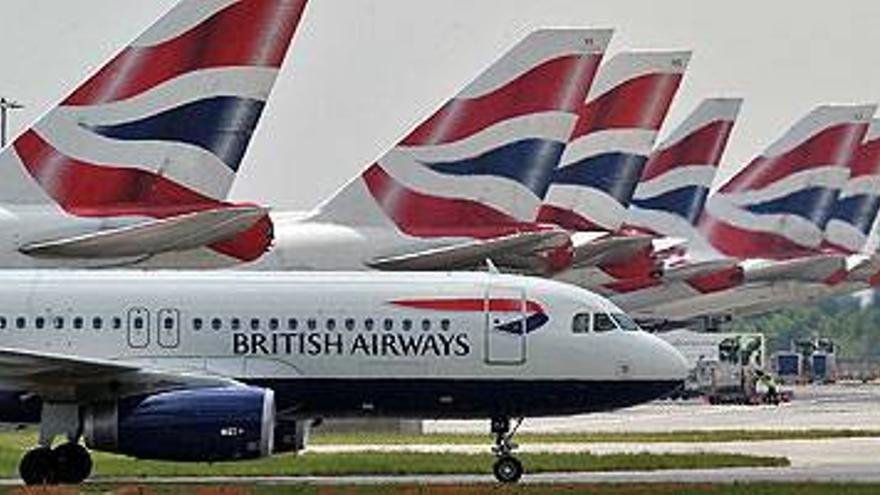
[
  {"x": 581, "y": 323},
  {"x": 602, "y": 322},
  {"x": 625, "y": 322}
]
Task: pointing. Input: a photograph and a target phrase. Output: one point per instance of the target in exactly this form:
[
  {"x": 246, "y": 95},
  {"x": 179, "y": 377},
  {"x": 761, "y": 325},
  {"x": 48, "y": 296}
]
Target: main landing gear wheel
[
  {"x": 507, "y": 468},
  {"x": 68, "y": 464}
]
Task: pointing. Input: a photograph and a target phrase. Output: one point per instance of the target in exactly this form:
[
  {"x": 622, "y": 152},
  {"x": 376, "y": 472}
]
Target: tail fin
[
  {"x": 161, "y": 128},
  {"x": 615, "y": 132},
  {"x": 777, "y": 207},
  {"x": 675, "y": 183},
  {"x": 854, "y": 214},
  {"x": 485, "y": 158}
]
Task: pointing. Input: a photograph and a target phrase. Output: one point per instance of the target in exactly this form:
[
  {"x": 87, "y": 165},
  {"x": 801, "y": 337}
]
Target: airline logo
[
  {"x": 483, "y": 162},
  {"x": 161, "y": 130},
  {"x": 856, "y": 210},
  {"x": 610, "y": 144},
  {"x": 778, "y": 206},
  {"x": 510, "y": 316},
  {"x": 676, "y": 181}
]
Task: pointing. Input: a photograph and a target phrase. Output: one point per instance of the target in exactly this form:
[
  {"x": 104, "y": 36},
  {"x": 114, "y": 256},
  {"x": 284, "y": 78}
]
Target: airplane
[
  {"x": 769, "y": 219},
  {"x": 241, "y": 366},
  {"x": 138, "y": 160}
]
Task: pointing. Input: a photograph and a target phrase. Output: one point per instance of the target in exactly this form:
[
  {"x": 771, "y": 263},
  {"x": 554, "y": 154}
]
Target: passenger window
[
  {"x": 168, "y": 323},
  {"x": 117, "y": 323},
  {"x": 388, "y": 324},
  {"x": 59, "y": 323},
  {"x": 97, "y": 323},
  {"x": 581, "y": 323},
  {"x": 349, "y": 324},
  {"x": 312, "y": 324},
  {"x": 39, "y": 322},
  {"x": 369, "y": 324},
  {"x": 407, "y": 325},
  {"x": 255, "y": 323},
  {"x": 197, "y": 324},
  {"x": 274, "y": 324},
  {"x": 445, "y": 325},
  {"x": 138, "y": 323},
  {"x": 331, "y": 324},
  {"x": 603, "y": 323},
  {"x": 292, "y": 323},
  {"x": 2, "y": 323},
  {"x": 78, "y": 323},
  {"x": 235, "y": 324},
  {"x": 216, "y": 323},
  {"x": 20, "y": 322},
  {"x": 426, "y": 325}
]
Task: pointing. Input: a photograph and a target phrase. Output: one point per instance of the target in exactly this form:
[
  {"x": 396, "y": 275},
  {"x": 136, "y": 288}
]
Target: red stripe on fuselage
[
  {"x": 470, "y": 305},
  {"x": 556, "y": 85},
  {"x": 245, "y": 34},
  {"x": 639, "y": 103}
]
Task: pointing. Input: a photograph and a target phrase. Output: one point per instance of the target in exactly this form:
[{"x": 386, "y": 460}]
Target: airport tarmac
[{"x": 850, "y": 406}]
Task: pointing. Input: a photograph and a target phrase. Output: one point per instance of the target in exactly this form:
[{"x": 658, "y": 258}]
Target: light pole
[{"x": 5, "y": 107}]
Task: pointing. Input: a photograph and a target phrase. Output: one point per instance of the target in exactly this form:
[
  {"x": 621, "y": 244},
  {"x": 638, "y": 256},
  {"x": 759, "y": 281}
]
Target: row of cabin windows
[
  {"x": 59, "y": 322},
  {"x": 602, "y": 322},
  {"x": 329, "y": 324}
]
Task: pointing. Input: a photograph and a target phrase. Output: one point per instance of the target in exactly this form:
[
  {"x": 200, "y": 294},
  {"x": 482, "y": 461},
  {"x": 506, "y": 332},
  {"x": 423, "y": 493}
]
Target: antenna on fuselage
[{"x": 490, "y": 265}]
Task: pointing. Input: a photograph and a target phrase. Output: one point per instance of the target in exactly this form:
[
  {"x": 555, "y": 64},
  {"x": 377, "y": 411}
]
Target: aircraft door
[
  {"x": 138, "y": 328},
  {"x": 505, "y": 326},
  {"x": 168, "y": 325}
]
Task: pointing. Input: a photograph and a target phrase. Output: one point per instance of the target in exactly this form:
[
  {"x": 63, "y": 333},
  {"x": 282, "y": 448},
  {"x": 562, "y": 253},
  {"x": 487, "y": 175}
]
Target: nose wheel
[
  {"x": 68, "y": 464},
  {"x": 507, "y": 468}
]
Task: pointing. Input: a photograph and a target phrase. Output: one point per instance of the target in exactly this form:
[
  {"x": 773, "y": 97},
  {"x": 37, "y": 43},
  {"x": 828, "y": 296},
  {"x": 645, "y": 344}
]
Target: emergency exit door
[{"x": 505, "y": 326}]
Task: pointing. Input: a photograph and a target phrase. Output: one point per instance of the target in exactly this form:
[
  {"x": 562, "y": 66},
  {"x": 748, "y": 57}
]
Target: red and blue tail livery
[
  {"x": 854, "y": 214},
  {"x": 483, "y": 162},
  {"x": 610, "y": 144},
  {"x": 674, "y": 186},
  {"x": 161, "y": 129},
  {"x": 777, "y": 207}
]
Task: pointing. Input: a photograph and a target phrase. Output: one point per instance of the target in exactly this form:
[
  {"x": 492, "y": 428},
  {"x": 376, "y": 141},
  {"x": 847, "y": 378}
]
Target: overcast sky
[{"x": 363, "y": 72}]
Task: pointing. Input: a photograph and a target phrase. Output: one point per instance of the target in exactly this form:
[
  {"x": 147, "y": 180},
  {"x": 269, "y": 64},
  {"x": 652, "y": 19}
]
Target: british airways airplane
[{"x": 222, "y": 366}]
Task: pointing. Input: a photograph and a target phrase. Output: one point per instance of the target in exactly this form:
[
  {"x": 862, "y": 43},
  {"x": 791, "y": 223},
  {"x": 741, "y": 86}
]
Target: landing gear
[
  {"x": 69, "y": 463},
  {"x": 507, "y": 468}
]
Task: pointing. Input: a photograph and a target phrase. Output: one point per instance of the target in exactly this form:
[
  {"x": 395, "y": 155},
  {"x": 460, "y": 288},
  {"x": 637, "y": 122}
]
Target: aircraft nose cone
[{"x": 666, "y": 362}]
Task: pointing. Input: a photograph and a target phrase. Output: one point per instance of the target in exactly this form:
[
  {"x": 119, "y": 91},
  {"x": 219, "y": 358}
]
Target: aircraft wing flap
[
  {"x": 471, "y": 254},
  {"x": 182, "y": 232},
  {"x": 50, "y": 374}
]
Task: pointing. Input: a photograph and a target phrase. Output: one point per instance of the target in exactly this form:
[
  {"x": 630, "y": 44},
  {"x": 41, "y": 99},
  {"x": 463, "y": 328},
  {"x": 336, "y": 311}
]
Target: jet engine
[{"x": 199, "y": 425}]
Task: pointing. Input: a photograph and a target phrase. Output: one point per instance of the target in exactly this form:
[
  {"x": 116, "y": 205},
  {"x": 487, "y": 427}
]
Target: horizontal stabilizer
[
  {"x": 814, "y": 269},
  {"x": 474, "y": 254},
  {"x": 180, "y": 233},
  {"x": 609, "y": 249}
]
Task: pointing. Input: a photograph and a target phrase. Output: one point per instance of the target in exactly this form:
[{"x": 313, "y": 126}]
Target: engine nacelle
[{"x": 201, "y": 425}]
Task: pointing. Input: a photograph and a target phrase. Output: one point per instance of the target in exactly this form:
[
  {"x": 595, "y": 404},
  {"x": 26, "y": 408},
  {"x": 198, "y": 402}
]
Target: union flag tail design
[
  {"x": 615, "y": 132},
  {"x": 856, "y": 210},
  {"x": 162, "y": 128},
  {"x": 778, "y": 206},
  {"x": 479, "y": 166},
  {"x": 675, "y": 183}
]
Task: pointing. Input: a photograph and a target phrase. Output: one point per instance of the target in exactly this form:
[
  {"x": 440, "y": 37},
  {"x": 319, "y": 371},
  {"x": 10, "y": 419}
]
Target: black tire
[
  {"x": 508, "y": 469},
  {"x": 73, "y": 463},
  {"x": 37, "y": 467}
]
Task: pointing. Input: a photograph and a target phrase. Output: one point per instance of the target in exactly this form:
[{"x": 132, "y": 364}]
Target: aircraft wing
[
  {"x": 693, "y": 269},
  {"x": 506, "y": 250},
  {"x": 55, "y": 375},
  {"x": 179, "y": 233},
  {"x": 592, "y": 250}
]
